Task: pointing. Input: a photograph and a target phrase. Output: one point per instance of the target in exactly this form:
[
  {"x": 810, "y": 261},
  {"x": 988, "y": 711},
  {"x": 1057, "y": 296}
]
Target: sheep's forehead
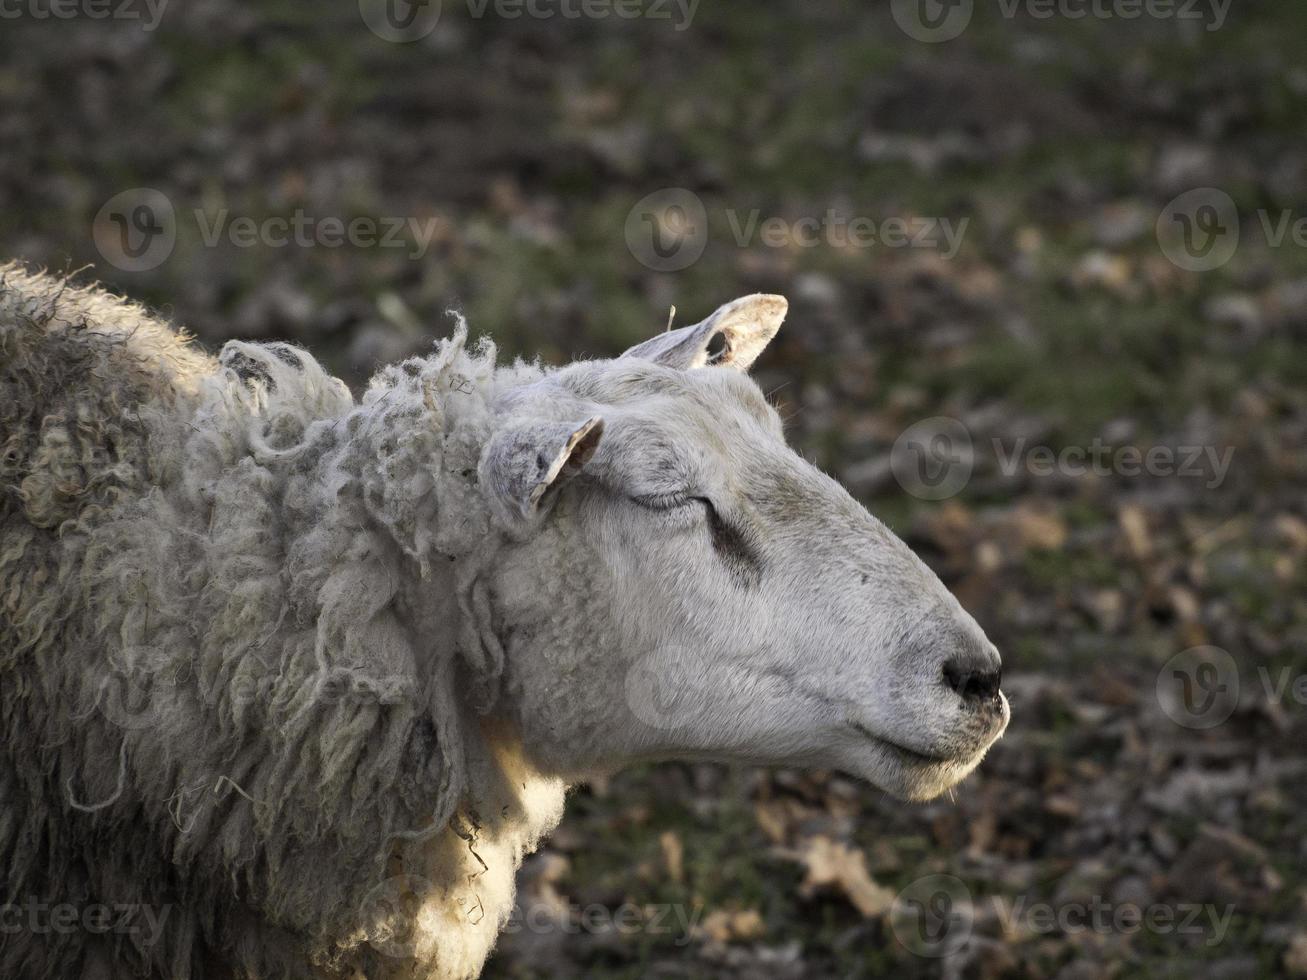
[
  {"x": 669, "y": 429},
  {"x": 708, "y": 429},
  {"x": 715, "y": 391}
]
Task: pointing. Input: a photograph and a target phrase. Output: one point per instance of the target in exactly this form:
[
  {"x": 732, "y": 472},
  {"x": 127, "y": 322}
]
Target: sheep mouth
[{"x": 909, "y": 757}]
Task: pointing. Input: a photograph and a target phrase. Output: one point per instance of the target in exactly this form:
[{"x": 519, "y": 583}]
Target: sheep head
[{"x": 677, "y": 582}]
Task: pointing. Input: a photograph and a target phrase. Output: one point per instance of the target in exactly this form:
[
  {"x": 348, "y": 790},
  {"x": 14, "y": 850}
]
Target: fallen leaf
[
  {"x": 989, "y": 557},
  {"x": 673, "y": 855},
  {"x": 1295, "y": 957},
  {"x": 1040, "y": 530},
  {"x": 843, "y": 869},
  {"x": 1185, "y": 603},
  {"x": 731, "y": 925},
  {"x": 1104, "y": 270},
  {"x": 1134, "y": 525},
  {"x": 1293, "y": 529},
  {"x": 1108, "y": 608},
  {"x": 1061, "y": 805}
]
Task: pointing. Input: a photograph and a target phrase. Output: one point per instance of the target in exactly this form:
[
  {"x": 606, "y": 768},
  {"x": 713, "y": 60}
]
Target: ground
[{"x": 1061, "y": 321}]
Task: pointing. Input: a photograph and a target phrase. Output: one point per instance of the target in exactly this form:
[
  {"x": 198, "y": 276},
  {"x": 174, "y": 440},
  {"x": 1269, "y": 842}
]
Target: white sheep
[{"x": 290, "y": 683}]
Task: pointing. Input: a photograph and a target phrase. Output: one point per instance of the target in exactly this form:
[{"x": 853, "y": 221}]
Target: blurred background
[{"x": 1047, "y": 267}]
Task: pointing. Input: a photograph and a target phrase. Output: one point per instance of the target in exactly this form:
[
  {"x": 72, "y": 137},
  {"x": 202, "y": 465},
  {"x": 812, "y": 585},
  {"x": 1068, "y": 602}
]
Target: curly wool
[{"x": 245, "y": 654}]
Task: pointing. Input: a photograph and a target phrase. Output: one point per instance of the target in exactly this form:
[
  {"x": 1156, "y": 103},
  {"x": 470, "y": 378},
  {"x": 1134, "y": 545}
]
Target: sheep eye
[
  {"x": 664, "y": 501},
  {"x": 729, "y": 543},
  {"x": 675, "y": 501}
]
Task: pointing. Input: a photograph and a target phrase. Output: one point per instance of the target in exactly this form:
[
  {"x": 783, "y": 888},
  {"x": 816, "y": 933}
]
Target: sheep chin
[{"x": 905, "y": 774}]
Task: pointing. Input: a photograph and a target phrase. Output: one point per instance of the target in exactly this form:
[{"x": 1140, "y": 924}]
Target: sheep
[{"x": 294, "y": 681}]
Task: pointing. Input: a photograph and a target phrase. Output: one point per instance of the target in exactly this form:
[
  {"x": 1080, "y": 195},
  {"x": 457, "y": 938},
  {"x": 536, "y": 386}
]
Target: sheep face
[{"x": 679, "y": 583}]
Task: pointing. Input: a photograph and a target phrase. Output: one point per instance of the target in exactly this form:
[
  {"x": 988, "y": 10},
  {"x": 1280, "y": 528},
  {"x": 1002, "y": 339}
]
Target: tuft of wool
[{"x": 244, "y": 653}]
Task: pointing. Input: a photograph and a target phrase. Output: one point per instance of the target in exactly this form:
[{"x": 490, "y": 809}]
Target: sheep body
[
  {"x": 300, "y": 679},
  {"x": 241, "y": 681}
]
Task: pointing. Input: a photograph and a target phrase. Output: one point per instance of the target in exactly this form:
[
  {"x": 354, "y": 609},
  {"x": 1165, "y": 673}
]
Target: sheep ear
[
  {"x": 746, "y": 326},
  {"x": 524, "y": 461}
]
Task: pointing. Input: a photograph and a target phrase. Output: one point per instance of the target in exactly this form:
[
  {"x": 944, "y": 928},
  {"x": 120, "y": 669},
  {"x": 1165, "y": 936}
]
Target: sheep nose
[{"x": 974, "y": 679}]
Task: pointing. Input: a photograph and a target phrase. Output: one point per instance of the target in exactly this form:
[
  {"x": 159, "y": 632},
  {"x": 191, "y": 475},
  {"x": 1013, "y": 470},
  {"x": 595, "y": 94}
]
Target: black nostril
[{"x": 971, "y": 683}]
